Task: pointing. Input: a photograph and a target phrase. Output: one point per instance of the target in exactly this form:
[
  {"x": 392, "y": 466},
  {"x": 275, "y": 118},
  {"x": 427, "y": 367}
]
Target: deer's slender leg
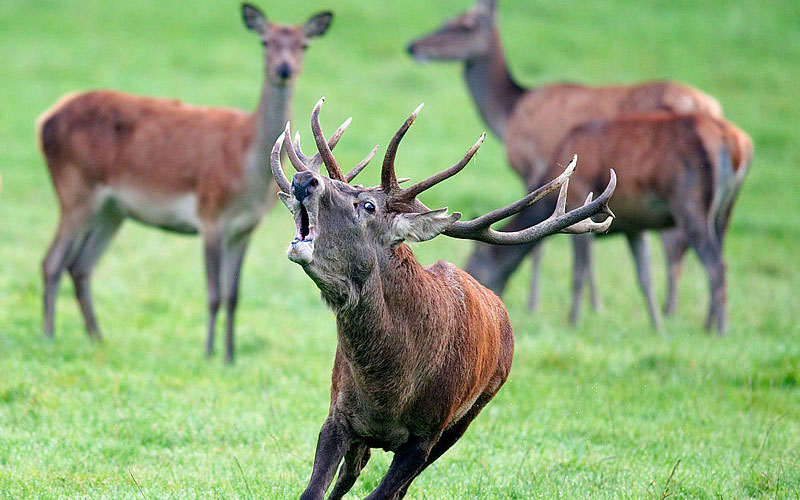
[
  {"x": 70, "y": 228},
  {"x": 580, "y": 271},
  {"x": 449, "y": 438},
  {"x": 103, "y": 229},
  {"x": 408, "y": 461},
  {"x": 710, "y": 255},
  {"x": 708, "y": 247},
  {"x": 333, "y": 441},
  {"x": 536, "y": 261},
  {"x": 232, "y": 259},
  {"x": 594, "y": 292},
  {"x": 640, "y": 247},
  {"x": 355, "y": 459},
  {"x": 213, "y": 260},
  {"x": 675, "y": 244}
]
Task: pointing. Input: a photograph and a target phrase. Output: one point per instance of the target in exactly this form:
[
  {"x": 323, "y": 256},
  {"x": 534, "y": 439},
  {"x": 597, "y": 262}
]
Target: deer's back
[
  {"x": 116, "y": 139},
  {"x": 661, "y": 159},
  {"x": 546, "y": 114}
]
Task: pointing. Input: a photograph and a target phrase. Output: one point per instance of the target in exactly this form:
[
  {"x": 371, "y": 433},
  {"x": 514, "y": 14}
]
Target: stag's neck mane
[
  {"x": 492, "y": 87},
  {"x": 384, "y": 323}
]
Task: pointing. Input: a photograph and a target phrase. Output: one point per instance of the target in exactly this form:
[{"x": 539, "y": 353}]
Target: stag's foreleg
[
  {"x": 355, "y": 459},
  {"x": 640, "y": 247},
  {"x": 449, "y": 438},
  {"x": 408, "y": 462},
  {"x": 103, "y": 228},
  {"x": 334, "y": 440}
]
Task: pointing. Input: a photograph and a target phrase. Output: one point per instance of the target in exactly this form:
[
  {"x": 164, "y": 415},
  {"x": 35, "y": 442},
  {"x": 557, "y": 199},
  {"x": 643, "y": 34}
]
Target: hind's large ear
[
  {"x": 318, "y": 24},
  {"x": 254, "y": 19}
]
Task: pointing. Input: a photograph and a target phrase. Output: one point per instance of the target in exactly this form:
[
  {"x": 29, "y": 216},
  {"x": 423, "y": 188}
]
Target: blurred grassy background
[{"x": 606, "y": 410}]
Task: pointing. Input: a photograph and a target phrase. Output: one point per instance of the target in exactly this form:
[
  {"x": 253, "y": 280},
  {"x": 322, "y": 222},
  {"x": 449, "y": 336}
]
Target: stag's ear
[
  {"x": 318, "y": 24},
  {"x": 254, "y": 19},
  {"x": 421, "y": 226},
  {"x": 287, "y": 200}
]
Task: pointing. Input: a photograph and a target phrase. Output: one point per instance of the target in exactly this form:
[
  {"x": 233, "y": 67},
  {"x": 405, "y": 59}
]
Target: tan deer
[
  {"x": 681, "y": 171},
  {"x": 182, "y": 168},
  {"x": 531, "y": 122},
  {"x": 421, "y": 350}
]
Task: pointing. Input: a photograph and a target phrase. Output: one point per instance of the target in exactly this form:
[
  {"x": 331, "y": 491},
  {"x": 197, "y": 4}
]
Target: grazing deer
[
  {"x": 681, "y": 171},
  {"x": 420, "y": 350},
  {"x": 182, "y": 168},
  {"x": 531, "y": 122}
]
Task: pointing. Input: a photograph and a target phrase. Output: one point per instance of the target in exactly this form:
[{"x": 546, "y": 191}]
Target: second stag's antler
[{"x": 404, "y": 200}]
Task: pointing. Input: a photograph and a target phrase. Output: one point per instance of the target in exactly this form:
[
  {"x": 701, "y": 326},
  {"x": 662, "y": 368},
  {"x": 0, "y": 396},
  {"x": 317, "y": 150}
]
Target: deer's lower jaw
[{"x": 301, "y": 251}]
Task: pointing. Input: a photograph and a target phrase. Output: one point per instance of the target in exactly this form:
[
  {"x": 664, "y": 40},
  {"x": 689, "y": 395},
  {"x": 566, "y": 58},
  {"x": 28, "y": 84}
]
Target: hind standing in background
[
  {"x": 675, "y": 171},
  {"x": 531, "y": 122},
  {"x": 182, "y": 168}
]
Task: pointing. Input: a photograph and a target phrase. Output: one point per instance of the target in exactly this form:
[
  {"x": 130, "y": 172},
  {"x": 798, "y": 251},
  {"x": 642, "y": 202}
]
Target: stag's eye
[{"x": 369, "y": 207}]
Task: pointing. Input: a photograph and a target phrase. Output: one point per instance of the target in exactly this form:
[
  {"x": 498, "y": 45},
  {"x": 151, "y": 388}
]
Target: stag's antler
[
  {"x": 480, "y": 228},
  {"x": 324, "y": 155},
  {"x": 400, "y": 197},
  {"x": 405, "y": 200},
  {"x": 575, "y": 221}
]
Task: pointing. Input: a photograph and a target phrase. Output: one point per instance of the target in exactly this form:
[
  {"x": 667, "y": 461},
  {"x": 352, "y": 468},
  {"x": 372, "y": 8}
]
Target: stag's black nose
[
  {"x": 411, "y": 48},
  {"x": 284, "y": 71},
  {"x": 303, "y": 184}
]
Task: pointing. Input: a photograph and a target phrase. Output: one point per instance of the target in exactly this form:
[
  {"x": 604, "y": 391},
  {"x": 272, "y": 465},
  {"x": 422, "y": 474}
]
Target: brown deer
[
  {"x": 531, "y": 122},
  {"x": 675, "y": 171},
  {"x": 420, "y": 350},
  {"x": 182, "y": 168}
]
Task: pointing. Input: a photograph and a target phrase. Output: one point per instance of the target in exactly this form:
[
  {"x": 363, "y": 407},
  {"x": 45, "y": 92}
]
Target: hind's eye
[{"x": 369, "y": 207}]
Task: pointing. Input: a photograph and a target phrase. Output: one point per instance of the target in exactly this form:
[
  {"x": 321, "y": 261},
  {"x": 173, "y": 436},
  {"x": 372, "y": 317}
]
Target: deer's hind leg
[
  {"x": 102, "y": 229},
  {"x": 77, "y": 210}
]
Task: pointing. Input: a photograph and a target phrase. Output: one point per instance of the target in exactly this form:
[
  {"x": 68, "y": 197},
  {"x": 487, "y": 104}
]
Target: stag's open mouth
[
  {"x": 301, "y": 250},
  {"x": 305, "y": 229}
]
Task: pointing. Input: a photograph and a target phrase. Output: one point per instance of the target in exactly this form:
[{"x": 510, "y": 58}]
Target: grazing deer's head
[
  {"x": 284, "y": 45},
  {"x": 344, "y": 231},
  {"x": 466, "y": 36}
]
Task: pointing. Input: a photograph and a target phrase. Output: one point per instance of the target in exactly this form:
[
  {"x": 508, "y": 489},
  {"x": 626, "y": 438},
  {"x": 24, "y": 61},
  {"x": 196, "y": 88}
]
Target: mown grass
[{"x": 606, "y": 410}]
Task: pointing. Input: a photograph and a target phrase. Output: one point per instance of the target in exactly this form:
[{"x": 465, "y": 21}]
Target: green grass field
[{"x": 606, "y": 410}]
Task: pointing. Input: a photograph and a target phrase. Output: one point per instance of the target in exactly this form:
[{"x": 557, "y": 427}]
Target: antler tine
[
  {"x": 388, "y": 176},
  {"x": 334, "y": 140},
  {"x": 421, "y": 186},
  {"x": 588, "y": 225},
  {"x": 314, "y": 162},
  {"x": 275, "y": 163},
  {"x": 349, "y": 176},
  {"x": 572, "y": 221},
  {"x": 299, "y": 160},
  {"x": 334, "y": 172}
]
